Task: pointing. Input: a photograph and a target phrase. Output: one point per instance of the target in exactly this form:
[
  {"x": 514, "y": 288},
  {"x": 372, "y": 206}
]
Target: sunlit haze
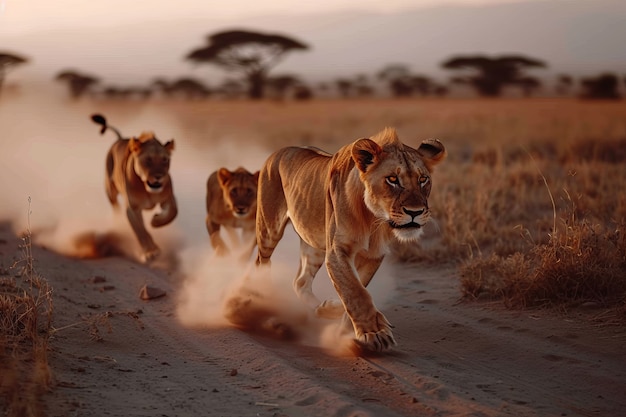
[
  {"x": 133, "y": 42},
  {"x": 36, "y": 15}
]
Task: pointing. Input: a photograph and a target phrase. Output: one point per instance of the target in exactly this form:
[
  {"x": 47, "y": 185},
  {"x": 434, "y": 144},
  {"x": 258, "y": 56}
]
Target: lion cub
[
  {"x": 231, "y": 202},
  {"x": 138, "y": 169}
]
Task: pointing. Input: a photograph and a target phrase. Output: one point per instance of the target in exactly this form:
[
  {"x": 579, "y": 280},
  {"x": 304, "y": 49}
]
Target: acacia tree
[
  {"x": 403, "y": 83},
  {"x": 251, "y": 53},
  {"x": 7, "y": 62},
  {"x": 490, "y": 75},
  {"x": 398, "y": 78},
  {"x": 281, "y": 84},
  {"x": 603, "y": 86},
  {"x": 77, "y": 83}
]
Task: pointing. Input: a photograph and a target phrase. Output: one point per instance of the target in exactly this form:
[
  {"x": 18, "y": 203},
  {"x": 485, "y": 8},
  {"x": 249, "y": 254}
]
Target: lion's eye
[
  {"x": 423, "y": 180},
  {"x": 233, "y": 192},
  {"x": 392, "y": 180}
]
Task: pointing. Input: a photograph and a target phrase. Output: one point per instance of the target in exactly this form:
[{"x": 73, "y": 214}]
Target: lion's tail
[{"x": 100, "y": 119}]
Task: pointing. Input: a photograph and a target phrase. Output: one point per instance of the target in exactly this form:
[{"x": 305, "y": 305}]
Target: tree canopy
[
  {"x": 8, "y": 61},
  {"x": 77, "y": 83},
  {"x": 491, "y": 75},
  {"x": 604, "y": 86},
  {"x": 251, "y": 53}
]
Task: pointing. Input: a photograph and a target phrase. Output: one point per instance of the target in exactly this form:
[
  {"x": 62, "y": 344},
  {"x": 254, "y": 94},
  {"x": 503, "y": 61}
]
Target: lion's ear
[
  {"x": 256, "y": 176},
  {"x": 432, "y": 151},
  {"x": 134, "y": 145},
  {"x": 364, "y": 153},
  {"x": 169, "y": 146},
  {"x": 223, "y": 175}
]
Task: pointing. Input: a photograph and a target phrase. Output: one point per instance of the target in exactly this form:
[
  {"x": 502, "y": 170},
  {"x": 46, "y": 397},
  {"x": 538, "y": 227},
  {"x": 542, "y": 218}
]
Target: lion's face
[
  {"x": 151, "y": 161},
  {"x": 397, "y": 180},
  {"x": 239, "y": 189}
]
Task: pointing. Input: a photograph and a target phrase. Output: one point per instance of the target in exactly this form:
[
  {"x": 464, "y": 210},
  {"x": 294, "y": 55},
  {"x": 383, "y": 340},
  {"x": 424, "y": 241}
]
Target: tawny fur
[
  {"x": 346, "y": 208},
  {"x": 138, "y": 170},
  {"x": 231, "y": 204}
]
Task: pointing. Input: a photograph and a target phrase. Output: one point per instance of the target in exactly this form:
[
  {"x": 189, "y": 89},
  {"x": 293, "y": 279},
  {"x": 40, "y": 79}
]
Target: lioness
[
  {"x": 347, "y": 208},
  {"x": 138, "y": 169},
  {"x": 231, "y": 202}
]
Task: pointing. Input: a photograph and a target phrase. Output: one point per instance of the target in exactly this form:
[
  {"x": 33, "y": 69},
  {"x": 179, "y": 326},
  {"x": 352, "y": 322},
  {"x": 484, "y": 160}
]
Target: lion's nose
[{"x": 413, "y": 213}]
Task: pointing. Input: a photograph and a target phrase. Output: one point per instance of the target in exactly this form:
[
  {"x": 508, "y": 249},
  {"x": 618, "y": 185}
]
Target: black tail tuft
[{"x": 99, "y": 119}]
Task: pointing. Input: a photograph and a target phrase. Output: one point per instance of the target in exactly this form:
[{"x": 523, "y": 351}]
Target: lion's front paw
[
  {"x": 376, "y": 337},
  {"x": 330, "y": 309}
]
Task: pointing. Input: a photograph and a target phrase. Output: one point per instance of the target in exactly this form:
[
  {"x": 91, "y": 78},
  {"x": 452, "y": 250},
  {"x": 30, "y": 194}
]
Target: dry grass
[{"x": 25, "y": 328}]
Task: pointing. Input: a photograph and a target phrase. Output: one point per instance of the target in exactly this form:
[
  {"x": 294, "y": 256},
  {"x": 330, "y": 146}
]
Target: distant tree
[
  {"x": 231, "y": 88},
  {"x": 78, "y": 84},
  {"x": 604, "y": 86},
  {"x": 281, "y": 84},
  {"x": 251, "y": 53},
  {"x": 398, "y": 78},
  {"x": 564, "y": 84},
  {"x": 491, "y": 75},
  {"x": 362, "y": 86},
  {"x": 344, "y": 86},
  {"x": 162, "y": 85},
  {"x": 7, "y": 62},
  {"x": 529, "y": 85},
  {"x": 441, "y": 90},
  {"x": 423, "y": 85},
  {"x": 302, "y": 92}
]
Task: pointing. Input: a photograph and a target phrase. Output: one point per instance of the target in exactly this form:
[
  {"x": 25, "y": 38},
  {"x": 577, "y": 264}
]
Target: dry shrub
[
  {"x": 581, "y": 263},
  {"x": 25, "y": 328},
  {"x": 494, "y": 276}
]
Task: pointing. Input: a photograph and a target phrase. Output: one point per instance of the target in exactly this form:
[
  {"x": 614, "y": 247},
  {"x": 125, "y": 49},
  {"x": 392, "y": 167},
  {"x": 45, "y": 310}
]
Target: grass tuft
[{"x": 25, "y": 327}]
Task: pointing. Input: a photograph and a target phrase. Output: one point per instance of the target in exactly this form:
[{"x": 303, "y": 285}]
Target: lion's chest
[
  {"x": 374, "y": 245},
  {"x": 229, "y": 219}
]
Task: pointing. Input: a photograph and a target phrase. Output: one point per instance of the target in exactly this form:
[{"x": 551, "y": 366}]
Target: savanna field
[{"x": 529, "y": 207}]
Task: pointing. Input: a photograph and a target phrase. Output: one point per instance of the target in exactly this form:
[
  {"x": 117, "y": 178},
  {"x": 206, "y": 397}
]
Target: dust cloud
[{"x": 53, "y": 159}]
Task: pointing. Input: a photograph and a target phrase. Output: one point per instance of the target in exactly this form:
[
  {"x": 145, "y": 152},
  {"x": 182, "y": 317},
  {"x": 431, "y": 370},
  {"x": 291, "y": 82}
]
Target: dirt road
[{"x": 117, "y": 355}]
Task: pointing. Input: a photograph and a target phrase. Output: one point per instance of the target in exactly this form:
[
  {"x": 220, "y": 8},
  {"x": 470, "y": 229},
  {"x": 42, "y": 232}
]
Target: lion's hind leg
[
  {"x": 311, "y": 261},
  {"x": 271, "y": 218}
]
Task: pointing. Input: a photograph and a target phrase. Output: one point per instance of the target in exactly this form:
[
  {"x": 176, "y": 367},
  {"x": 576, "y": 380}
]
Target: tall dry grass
[{"x": 25, "y": 327}]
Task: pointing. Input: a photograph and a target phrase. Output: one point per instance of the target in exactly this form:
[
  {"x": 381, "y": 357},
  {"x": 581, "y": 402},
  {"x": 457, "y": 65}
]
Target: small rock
[
  {"x": 149, "y": 293},
  {"x": 98, "y": 279},
  {"x": 233, "y": 372}
]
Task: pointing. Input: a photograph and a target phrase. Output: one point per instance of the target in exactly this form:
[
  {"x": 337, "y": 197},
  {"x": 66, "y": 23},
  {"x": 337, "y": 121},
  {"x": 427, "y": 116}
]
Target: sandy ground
[
  {"x": 114, "y": 354},
  {"x": 452, "y": 359}
]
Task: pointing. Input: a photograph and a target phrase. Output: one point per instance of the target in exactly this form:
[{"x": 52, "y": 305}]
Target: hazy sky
[
  {"x": 24, "y": 16},
  {"x": 135, "y": 41}
]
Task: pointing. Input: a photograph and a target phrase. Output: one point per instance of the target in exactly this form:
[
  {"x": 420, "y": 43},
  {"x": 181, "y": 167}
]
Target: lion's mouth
[
  {"x": 154, "y": 185},
  {"x": 410, "y": 225}
]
